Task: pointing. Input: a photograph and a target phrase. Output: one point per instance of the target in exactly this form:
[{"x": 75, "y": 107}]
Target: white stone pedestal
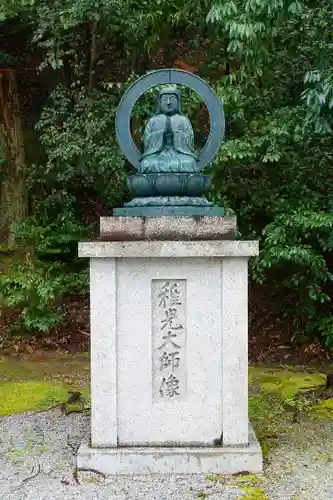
[{"x": 169, "y": 357}]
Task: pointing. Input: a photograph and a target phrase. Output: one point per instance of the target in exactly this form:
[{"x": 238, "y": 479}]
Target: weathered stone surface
[
  {"x": 144, "y": 418},
  {"x": 197, "y": 330},
  {"x": 167, "y": 228},
  {"x": 170, "y": 249},
  {"x": 161, "y": 363},
  {"x": 210, "y": 460},
  {"x": 122, "y": 228}
]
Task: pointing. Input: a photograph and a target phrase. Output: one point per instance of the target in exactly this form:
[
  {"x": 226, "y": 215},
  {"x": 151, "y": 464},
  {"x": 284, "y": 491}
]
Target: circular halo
[{"x": 169, "y": 76}]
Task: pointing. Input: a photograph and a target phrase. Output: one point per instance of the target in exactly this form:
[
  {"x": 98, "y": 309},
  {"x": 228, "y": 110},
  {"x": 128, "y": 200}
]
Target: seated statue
[{"x": 168, "y": 138}]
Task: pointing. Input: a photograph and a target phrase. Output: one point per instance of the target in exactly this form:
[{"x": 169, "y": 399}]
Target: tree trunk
[
  {"x": 93, "y": 58},
  {"x": 13, "y": 201}
]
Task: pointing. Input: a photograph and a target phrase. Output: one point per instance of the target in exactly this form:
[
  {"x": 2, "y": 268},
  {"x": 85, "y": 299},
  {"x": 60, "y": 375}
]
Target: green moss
[
  {"x": 282, "y": 382},
  {"x": 322, "y": 410},
  {"x": 33, "y": 383},
  {"x": 18, "y": 397},
  {"x": 92, "y": 480},
  {"x": 249, "y": 484},
  {"x": 53, "y": 367},
  {"x": 269, "y": 419},
  {"x": 246, "y": 480},
  {"x": 278, "y": 396},
  {"x": 277, "y": 386},
  {"x": 215, "y": 478},
  {"x": 269, "y": 390},
  {"x": 17, "y": 452},
  {"x": 324, "y": 457},
  {"x": 260, "y": 407},
  {"x": 253, "y": 493}
]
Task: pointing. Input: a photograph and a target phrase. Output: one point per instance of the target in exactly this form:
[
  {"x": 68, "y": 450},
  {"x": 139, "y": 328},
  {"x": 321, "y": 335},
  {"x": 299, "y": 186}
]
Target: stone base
[
  {"x": 167, "y": 228},
  {"x": 131, "y": 404},
  {"x": 176, "y": 211},
  {"x": 159, "y": 460}
]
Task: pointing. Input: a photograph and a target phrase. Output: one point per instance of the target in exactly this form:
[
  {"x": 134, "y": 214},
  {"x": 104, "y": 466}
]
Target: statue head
[{"x": 169, "y": 101}]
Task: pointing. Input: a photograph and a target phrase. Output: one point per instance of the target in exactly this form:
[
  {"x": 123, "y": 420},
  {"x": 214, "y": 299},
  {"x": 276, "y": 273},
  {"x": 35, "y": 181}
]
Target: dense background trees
[{"x": 271, "y": 63}]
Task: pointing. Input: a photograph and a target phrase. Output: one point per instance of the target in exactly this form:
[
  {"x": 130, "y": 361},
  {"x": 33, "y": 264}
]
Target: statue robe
[{"x": 177, "y": 156}]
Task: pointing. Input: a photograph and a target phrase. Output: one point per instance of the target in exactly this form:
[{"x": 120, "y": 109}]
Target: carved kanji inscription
[{"x": 169, "y": 339}]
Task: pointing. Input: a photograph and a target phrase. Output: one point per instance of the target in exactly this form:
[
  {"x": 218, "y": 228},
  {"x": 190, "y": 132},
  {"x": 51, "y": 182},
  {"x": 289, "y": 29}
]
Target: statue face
[{"x": 169, "y": 104}]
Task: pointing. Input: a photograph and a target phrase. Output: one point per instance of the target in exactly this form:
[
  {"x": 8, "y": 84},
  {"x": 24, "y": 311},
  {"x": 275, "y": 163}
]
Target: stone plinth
[
  {"x": 168, "y": 228},
  {"x": 169, "y": 365},
  {"x": 173, "y": 460}
]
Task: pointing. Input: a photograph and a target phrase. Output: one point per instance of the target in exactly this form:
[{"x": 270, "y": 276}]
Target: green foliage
[
  {"x": 36, "y": 284},
  {"x": 55, "y": 239},
  {"x": 36, "y": 290},
  {"x": 77, "y": 131},
  {"x": 249, "y": 28},
  {"x": 301, "y": 241},
  {"x": 11, "y": 8},
  {"x": 138, "y": 26},
  {"x": 318, "y": 96},
  {"x": 275, "y": 169},
  {"x": 6, "y": 60},
  {"x": 76, "y": 128}
]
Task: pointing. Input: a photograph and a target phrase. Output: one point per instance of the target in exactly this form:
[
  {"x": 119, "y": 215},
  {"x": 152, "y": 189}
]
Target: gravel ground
[{"x": 37, "y": 462}]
